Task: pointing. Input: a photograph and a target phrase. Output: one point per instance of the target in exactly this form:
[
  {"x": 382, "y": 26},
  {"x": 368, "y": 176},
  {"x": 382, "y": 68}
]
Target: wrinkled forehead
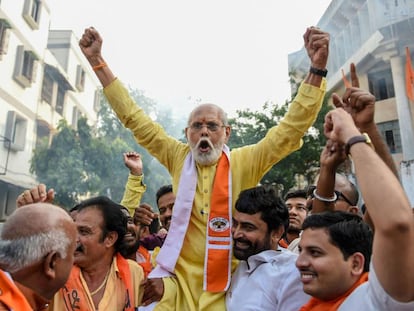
[{"x": 206, "y": 112}]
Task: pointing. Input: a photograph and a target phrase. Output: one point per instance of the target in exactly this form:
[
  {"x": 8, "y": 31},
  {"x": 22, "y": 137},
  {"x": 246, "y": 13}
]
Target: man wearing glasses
[
  {"x": 345, "y": 198},
  {"x": 195, "y": 261}
]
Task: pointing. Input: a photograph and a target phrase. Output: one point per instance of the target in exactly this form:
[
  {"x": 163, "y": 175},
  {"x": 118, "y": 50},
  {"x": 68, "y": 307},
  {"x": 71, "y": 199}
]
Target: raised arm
[
  {"x": 91, "y": 46},
  {"x": 135, "y": 187},
  {"x": 317, "y": 46},
  {"x": 331, "y": 157},
  {"x": 393, "y": 247}
]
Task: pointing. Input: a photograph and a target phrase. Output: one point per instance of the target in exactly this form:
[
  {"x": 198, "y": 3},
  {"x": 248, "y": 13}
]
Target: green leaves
[
  {"x": 297, "y": 169},
  {"x": 88, "y": 160}
]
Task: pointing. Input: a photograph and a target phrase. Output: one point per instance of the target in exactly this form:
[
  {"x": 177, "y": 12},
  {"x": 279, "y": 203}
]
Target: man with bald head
[
  {"x": 195, "y": 260},
  {"x": 37, "y": 248},
  {"x": 346, "y": 193}
]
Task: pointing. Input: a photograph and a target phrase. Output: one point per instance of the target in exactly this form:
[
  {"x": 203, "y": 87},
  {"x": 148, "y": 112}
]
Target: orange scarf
[
  {"x": 217, "y": 264},
  {"x": 74, "y": 294},
  {"x": 315, "y": 304},
  {"x": 11, "y": 296},
  {"x": 217, "y": 260},
  {"x": 144, "y": 259}
]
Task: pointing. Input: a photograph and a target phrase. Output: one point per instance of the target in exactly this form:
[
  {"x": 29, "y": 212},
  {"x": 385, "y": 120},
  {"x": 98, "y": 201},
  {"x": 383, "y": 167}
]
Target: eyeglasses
[
  {"x": 339, "y": 195},
  {"x": 211, "y": 126}
]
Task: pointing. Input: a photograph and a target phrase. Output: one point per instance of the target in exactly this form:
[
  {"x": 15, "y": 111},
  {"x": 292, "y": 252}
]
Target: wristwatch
[
  {"x": 318, "y": 72},
  {"x": 363, "y": 138}
]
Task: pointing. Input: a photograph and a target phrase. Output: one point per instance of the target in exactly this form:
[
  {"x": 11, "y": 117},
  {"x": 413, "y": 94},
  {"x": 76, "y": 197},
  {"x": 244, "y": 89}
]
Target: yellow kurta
[
  {"x": 114, "y": 296},
  {"x": 248, "y": 165},
  {"x": 134, "y": 190}
]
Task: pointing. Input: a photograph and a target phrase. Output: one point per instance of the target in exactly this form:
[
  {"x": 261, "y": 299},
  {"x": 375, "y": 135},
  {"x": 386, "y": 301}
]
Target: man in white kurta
[
  {"x": 266, "y": 277},
  {"x": 267, "y": 281}
]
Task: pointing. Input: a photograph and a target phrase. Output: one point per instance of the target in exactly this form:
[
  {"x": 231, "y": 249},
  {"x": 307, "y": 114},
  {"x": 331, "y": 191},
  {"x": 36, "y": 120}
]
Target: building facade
[
  {"x": 43, "y": 78},
  {"x": 374, "y": 35}
]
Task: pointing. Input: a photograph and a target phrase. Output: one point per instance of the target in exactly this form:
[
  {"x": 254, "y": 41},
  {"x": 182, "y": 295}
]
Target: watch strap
[
  {"x": 354, "y": 140},
  {"x": 318, "y": 72}
]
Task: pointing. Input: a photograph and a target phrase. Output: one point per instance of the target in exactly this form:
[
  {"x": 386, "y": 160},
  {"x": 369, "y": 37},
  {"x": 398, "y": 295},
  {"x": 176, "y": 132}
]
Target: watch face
[{"x": 367, "y": 138}]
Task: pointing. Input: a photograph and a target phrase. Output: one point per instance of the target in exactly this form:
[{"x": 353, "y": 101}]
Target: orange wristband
[{"x": 99, "y": 66}]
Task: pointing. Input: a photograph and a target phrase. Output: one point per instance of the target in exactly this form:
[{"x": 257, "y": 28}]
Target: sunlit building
[
  {"x": 374, "y": 34},
  {"x": 43, "y": 78}
]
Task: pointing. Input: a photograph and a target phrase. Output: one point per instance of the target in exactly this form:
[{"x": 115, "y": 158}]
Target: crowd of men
[{"x": 221, "y": 241}]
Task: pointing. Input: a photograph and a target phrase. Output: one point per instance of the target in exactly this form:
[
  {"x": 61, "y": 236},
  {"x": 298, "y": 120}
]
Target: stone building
[
  {"x": 374, "y": 34},
  {"x": 43, "y": 78}
]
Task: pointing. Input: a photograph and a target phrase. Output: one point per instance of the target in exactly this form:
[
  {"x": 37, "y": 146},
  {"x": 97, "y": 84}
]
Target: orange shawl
[
  {"x": 217, "y": 265},
  {"x": 144, "y": 259},
  {"x": 74, "y": 294},
  {"x": 315, "y": 304},
  {"x": 10, "y": 295}
]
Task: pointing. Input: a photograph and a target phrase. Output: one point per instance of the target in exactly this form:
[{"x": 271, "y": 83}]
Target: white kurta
[
  {"x": 267, "y": 281},
  {"x": 370, "y": 296}
]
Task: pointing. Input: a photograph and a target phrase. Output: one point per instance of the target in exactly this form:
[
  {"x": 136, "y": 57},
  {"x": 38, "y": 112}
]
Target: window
[
  {"x": 4, "y": 36},
  {"x": 76, "y": 115},
  {"x": 8, "y": 197},
  {"x": 97, "y": 100},
  {"x": 47, "y": 88},
  {"x": 31, "y": 12},
  {"x": 16, "y": 128},
  {"x": 80, "y": 78},
  {"x": 381, "y": 84},
  {"x": 390, "y": 132},
  {"x": 42, "y": 133},
  {"x": 60, "y": 101},
  {"x": 26, "y": 67}
]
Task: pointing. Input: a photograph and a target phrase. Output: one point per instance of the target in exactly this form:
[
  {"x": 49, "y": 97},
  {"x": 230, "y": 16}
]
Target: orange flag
[
  {"x": 346, "y": 82},
  {"x": 409, "y": 76}
]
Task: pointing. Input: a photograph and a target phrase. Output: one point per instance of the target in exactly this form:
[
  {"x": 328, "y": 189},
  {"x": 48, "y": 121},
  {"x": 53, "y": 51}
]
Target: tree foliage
[
  {"x": 251, "y": 126},
  {"x": 88, "y": 160}
]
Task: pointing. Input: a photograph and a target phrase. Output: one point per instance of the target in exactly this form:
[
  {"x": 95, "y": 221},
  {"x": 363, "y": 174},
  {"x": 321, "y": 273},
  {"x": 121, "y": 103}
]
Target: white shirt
[
  {"x": 370, "y": 296},
  {"x": 267, "y": 281}
]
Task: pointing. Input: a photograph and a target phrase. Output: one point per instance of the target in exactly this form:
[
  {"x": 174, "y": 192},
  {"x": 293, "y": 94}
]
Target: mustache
[
  {"x": 204, "y": 141},
  {"x": 79, "y": 248},
  {"x": 242, "y": 241}
]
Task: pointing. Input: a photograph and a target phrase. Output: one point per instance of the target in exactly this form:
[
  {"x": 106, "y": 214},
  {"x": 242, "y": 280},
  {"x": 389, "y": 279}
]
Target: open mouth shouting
[{"x": 204, "y": 145}]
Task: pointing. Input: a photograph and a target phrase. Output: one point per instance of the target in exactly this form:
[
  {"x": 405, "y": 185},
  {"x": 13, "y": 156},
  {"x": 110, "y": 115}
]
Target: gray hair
[
  {"x": 19, "y": 253},
  {"x": 222, "y": 114}
]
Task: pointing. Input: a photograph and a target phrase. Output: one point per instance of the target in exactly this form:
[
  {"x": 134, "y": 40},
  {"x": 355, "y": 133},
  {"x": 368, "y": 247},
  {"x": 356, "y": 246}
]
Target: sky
[{"x": 232, "y": 53}]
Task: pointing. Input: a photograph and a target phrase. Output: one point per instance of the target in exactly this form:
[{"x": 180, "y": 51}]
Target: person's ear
[
  {"x": 49, "y": 264},
  {"x": 186, "y": 133},
  {"x": 228, "y": 132},
  {"x": 111, "y": 238},
  {"x": 357, "y": 261}
]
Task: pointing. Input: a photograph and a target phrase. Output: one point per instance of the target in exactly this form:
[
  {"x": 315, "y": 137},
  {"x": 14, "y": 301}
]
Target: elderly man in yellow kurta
[{"x": 195, "y": 261}]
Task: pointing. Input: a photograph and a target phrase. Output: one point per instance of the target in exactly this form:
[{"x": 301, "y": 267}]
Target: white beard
[{"x": 206, "y": 158}]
